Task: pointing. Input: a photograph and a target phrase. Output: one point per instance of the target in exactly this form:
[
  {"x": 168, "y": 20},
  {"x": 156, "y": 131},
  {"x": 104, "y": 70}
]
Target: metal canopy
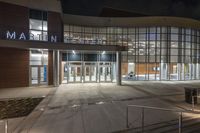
[{"x": 58, "y": 46}]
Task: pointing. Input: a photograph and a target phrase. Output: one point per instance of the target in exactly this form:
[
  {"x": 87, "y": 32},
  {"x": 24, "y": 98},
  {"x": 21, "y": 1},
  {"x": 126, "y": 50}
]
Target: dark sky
[{"x": 181, "y": 8}]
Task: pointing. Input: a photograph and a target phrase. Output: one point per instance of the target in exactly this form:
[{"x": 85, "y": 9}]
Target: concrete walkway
[
  {"x": 22, "y": 92},
  {"x": 101, "y": 107}
]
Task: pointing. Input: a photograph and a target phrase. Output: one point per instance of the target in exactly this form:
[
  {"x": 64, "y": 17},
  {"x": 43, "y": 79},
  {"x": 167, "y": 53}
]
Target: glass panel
[
  {"x": 87, "y": 73},
  {"x": 142, "y": 30},
  {"x": 174, "y": 30},
  {"x": 93, "y": 73},
  {"x": 34, "y": 75},
  {"x": 45, "y": 26},
  {"x": 78, "y": 74},
  {"x": 39, "y": 57},
  {"x": 152, "y": 68},
  {"x": 164, "y": 71},
  {"x": 65, "y": 74},
  {"x": 152, "y": 30},
  {"x": 173, "y": 71},
  {"x": 174, "y": 37},
  {"x": 71, "y": 74},
  {"x": 36, "y": 14},
  {"x": 35, "y": 24},
  {"x": 102, "y": 73},
  {"x": 108, "y": 73},
  {"x": 78, "y": 29},
  {"x": 66, "y": 27},
  {"x": 43, "y": 75}
]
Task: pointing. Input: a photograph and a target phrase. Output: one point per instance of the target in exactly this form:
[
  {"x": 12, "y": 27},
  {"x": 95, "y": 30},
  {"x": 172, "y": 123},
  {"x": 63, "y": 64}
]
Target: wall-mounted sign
[{"x": 22, "y": 36}]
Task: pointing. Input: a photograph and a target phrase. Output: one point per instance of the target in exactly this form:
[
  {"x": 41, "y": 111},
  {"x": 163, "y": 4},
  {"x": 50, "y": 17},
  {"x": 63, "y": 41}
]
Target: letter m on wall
[{"x": 10, "y": 35}]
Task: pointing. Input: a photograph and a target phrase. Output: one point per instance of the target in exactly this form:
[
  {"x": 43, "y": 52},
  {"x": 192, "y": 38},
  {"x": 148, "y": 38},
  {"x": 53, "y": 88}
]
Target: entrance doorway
[
  {"x": 78, "y": 72},
  {"x": 74, "y": 73},
  {"x": 90, "y": 72},
  {"x": 105, "y": 72},
  {"x": 38, "y": 75}
]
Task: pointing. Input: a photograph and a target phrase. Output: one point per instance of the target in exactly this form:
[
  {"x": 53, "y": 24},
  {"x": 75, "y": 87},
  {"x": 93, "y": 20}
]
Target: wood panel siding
[
  {"x": 50, "y": 67},
  {"x": 14, "y": 68},
  {"x": 55, "y": 26},
  {"x": 13, "y": 18}
]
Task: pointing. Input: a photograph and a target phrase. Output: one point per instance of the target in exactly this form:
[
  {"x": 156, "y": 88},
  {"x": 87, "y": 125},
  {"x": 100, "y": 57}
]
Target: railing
[
  {"x": 4, "y": 124},
  {"x": 180, "y": 112}
]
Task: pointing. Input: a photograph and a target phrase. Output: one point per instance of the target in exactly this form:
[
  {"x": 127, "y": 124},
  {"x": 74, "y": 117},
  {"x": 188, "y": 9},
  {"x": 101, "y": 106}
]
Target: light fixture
[
  {"x": 131, "y": 63},
  {"x": 103, "y": 52},
  {"x": 73, "y": 52}
]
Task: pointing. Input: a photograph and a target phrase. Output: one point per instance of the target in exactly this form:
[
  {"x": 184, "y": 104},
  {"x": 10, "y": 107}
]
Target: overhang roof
[
  {"x": 58, "y": 46},
  {"x": 131, "y": 21}
]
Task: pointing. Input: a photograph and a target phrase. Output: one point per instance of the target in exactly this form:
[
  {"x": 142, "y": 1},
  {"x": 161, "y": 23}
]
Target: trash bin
[{"x": 189, "y": 92}]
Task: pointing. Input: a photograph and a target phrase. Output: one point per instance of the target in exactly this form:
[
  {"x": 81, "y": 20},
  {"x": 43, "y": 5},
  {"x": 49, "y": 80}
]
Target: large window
[
  {"x": 156, "y": 53},
  {"x": 38, "y": 25}
]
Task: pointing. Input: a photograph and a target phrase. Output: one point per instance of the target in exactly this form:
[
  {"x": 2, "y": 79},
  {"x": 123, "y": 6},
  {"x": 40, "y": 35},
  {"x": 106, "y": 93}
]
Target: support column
[
  {"x": 118, "y": 66},
  {"x": 56, "y": 63}
]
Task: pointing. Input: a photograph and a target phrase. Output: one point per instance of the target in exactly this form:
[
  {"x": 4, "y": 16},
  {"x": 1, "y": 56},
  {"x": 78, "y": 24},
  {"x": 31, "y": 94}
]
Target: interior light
[
  {"x": 40, "y": 27},
  {"x": 73, "y": 52},
  {"x": 103, "y": 52}
]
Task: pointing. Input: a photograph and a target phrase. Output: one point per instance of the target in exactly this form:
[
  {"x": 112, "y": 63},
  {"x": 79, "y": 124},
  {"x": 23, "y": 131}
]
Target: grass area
[{"x": 12, "y": 108}]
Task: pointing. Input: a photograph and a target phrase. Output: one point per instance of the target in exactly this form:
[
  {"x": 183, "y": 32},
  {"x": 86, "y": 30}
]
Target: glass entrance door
[
  {"x": 90, "y": 73},
  {"x": 78, "y": 72},
  {"x": 34, "y": 75},
  {"x": 38, "y": 75},
  {"x": 105, "y": 74},
  {"x": 75, "y": 73}
]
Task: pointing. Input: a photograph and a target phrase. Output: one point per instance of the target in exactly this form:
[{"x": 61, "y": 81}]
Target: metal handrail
[
  {"x": 157, "y": 108},
  {"x": 164, "y": 109}
]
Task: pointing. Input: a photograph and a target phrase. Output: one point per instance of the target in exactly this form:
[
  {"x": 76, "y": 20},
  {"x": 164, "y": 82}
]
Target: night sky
[{"x": 181, "y": 8}]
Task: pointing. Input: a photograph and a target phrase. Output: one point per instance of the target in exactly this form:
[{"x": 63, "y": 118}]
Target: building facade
[{"x": 43, "y": 46}]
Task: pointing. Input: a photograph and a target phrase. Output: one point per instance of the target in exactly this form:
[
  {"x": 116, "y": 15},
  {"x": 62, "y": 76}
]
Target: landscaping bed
[{"x": 12, "y": 108}]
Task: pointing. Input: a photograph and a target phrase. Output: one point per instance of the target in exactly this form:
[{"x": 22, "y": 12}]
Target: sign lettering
[
  {"x": 22, "y": 36},
  {"x": 10, "y": 35}
]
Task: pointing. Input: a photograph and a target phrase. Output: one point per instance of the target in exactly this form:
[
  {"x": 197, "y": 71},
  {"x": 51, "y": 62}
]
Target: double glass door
[
  {"x": 105, "y": 73},
  {"x": 38, "y": 75},
  {"x": 90, "y": 73},
  {"x": 75, "y": 73},
  {"x": 78, "y": 72}
]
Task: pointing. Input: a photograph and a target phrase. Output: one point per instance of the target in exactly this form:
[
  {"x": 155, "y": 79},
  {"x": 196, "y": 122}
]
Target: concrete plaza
[{"x": 101, "y": 107}]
